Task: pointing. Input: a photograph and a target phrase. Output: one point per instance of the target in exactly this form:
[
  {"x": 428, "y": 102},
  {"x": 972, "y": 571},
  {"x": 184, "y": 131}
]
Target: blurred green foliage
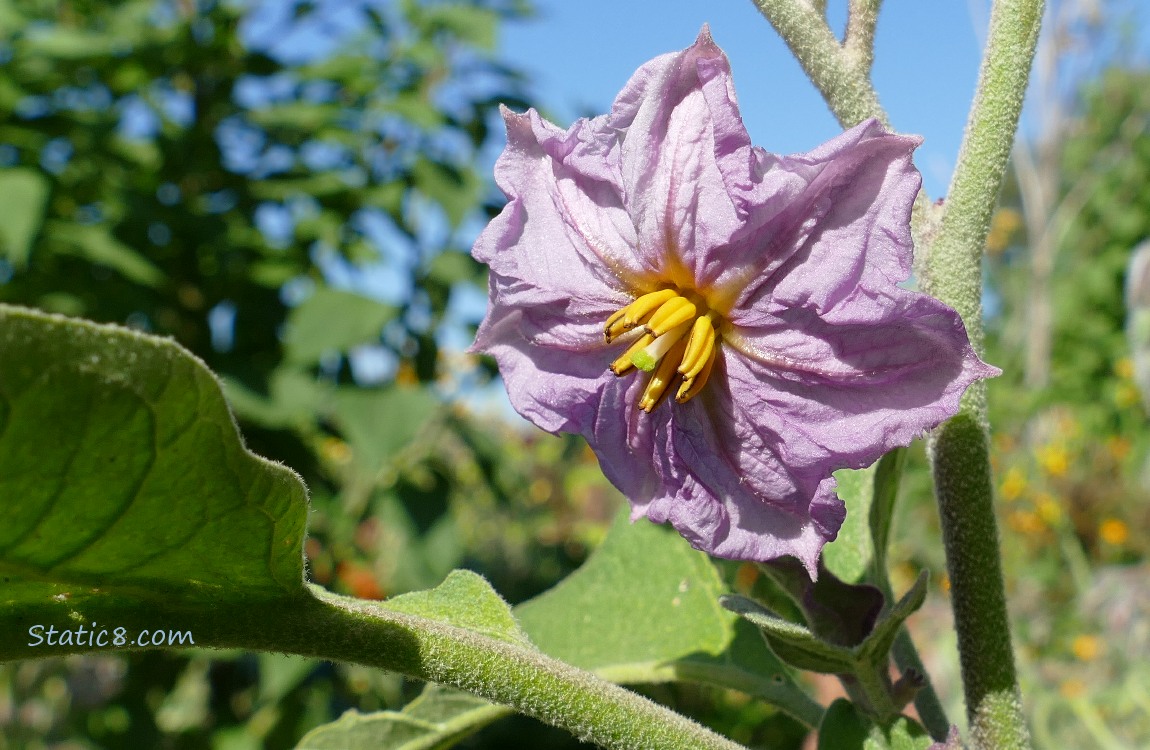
[{"x": 290, "y": 190}]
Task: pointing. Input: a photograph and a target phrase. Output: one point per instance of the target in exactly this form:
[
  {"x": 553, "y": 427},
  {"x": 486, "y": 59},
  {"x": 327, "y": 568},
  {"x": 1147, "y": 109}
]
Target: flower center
[{"x": 678, "y": 343}]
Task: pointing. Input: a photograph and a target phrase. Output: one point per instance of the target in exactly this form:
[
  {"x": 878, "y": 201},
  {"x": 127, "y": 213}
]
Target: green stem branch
[
  {"x": 858, "y": 45},
  {"x": 327, "y": 626},
  {"x": 842, "y": 78},
  {"x": 959, "y": 450}
]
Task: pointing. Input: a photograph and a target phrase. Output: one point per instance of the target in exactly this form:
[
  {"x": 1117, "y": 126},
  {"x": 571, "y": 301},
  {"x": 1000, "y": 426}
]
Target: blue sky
[{"x": 926, "y": 65}]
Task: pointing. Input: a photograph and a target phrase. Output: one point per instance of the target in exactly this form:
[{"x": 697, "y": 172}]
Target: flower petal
[
  {"x": 874, "y": 373},
  {"x": 713, "y": 470},
  {"x": 850, "y": 227},
  {"x": 578, "y": 239},
  {"x": 674, "y": 189},
  {"x": 553, "y": 367}
]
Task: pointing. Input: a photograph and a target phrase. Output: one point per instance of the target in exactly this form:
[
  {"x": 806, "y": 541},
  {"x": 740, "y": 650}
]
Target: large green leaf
[
  {"x": 643, "y": 608},
  {"x": 130, "y": 504},
  {"x": 644, "y": 599},
  {"x": 850, "y": 555},
  {"x": 96, "y": 244},
  {"x": 120, "y": 466},
  {"x": 465, "y": 600}
]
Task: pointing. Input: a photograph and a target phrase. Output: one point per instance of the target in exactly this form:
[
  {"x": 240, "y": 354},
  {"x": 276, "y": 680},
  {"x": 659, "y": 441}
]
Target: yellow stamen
[
  {"x": 672, "y": 313},
  {"x": 692, "y": 385},
  {"x": 636, "y": 312},
  {"x": 624, "y": 363},
  {"x": 678, "y": 346},
  {"x": 700, "y": 346},
  {"x": 657, "y": 386},
  {"x": 650, "y": 355}
]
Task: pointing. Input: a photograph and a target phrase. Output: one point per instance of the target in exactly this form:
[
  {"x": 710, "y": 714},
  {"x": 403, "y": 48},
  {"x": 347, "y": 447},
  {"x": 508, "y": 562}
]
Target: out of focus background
[{"x": 290, "y": 188}]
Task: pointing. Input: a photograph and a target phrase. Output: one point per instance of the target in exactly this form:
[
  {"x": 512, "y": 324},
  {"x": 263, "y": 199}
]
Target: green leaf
[
  {"x": 379, "y": 422},
  {"x": 645, "y": 605},
  {"x": 799, "y": 646},
  {"x": 130, "y": 502},
  {"x": 845, "y": 728},
  {"x": 455, "y": 189},
  {"x": 904, "y": 734},
  {"x": 887, "y": 476},
  {"x": 877, "y": 645},
  {"x": 464, "y": 600},
  {"x": 645, "y": 598},
  {"x": 23, "y": 197},
  {"x": 97, "y": 244},
  {"x": 280, "y": 674},
  {"x": 298, "y": 115},
  {"x": 64, "y": 43},
  {"x": 869, "y": 495},
  {"x": 749, "y": 666},
  {"x": 838, "y": 612},
  {"x": 333, "y": 320},
  {"x": 450, "y": 268},
  {"x": 849, "y": 555},
  {"x": 438, "y": 718},
  {"x": 119, "y": 462},
  {"x": 793, "y": 643},
  {"x": 417, "y": 108},
  {"x": 468, "y": 23},
  {"x": 294, "y": 399}
]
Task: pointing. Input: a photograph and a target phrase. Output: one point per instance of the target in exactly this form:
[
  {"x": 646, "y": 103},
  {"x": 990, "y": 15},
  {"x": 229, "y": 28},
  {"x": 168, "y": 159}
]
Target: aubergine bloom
[{"x": 721, "y": 324}]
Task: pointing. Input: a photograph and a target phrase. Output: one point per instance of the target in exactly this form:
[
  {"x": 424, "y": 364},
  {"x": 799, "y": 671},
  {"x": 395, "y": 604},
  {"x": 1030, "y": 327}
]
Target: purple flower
[{"x": 723, "y": 325}]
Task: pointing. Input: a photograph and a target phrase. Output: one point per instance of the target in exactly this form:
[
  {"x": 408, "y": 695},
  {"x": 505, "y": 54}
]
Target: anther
[
  {"x": 660, "y": 381},
  {"x": 700, "y": 346},
  {"x": 692, "y": 385},
  {"x": 672, "y": 313},
  {"x": 636, "y": 312}
]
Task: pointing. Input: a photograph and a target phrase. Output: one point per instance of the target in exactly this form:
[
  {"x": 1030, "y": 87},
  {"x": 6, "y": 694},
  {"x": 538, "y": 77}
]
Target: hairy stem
[
  {"x": 959, "y": 450},
  {"x": 328, "y": 626},
  {"x": 859, "y": 42},
  {"x": 841, "y": 78}
]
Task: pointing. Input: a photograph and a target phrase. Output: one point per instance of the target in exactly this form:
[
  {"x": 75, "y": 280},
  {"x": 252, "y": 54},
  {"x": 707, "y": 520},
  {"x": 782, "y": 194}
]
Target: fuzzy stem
[
  {"x": 859, "y": 42},
  {"x": 970, "y": 537},
  {"x": 841, "y": 78},
  {"x": 327, "y": 626},
  {"x": 959, "y": 451}
]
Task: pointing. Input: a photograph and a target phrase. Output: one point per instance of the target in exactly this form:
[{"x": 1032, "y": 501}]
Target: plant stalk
[{"x": 959, "y": 448}]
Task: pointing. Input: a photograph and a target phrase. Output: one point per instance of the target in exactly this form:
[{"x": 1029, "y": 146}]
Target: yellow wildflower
[
  {"x": 335, "y": 450},
  {"x": 1013, "y": 485},
  {"x": 1113, "y": 531},
  {"x": 1054, "y": 460},
  {"x": 1048, "y": 508},
  {"x": 1072, "y": 688},
  {"x": 1086, "y": 647},
  {"x": 1025, "y": 522},
  {"x": 1124, "y": 368},
  {"x": 1118, "y": 447}
]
